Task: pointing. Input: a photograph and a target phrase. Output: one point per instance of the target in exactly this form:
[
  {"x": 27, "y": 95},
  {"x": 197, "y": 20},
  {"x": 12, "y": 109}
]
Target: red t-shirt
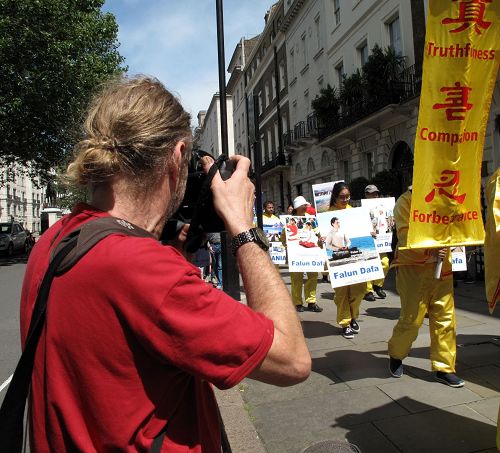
[{"x": 132, "y": 339}]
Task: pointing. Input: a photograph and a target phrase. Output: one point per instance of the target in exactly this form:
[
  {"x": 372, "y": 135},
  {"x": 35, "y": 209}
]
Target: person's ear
[{"x": 178, "y": 157}]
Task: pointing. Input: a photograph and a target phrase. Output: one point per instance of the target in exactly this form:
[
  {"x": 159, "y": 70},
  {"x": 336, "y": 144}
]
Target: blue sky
[{"x": 176, "y": 41}]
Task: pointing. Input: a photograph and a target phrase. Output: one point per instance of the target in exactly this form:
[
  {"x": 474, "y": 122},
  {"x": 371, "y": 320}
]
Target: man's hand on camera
[{"x": 234, "y": 197}]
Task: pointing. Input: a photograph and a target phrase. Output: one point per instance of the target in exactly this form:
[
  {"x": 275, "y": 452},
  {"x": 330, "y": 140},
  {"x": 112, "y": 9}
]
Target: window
[
  {"x": 298, "y": 171},
  {"x": 318, "y": 33},
  {"x": 363, "y": 53},
  {"x": 304, "y": 49},
  {"x": 273, "y": 91},
  {"x": 260, "y": 103},
  {"x": 339, "y": 71},
  {"x": 395, "y": 36},
  {"x": 325, "y": 161},
  {"x": 336, "y": 11},
  {"x": 282, "y": 75},
  {"x": 276, "y": 137},
  {"x": 369, "y": 165},
  {"x": 292, "y": 63},
  {"x": 345, "y": 167},
  {"x": 270, "y": 151},
  {"x": 262, "y": 150},
  {"x": 310, "y": 165},
  {"x": 267, "y": 99},
  {"x": 242, "y": 124}
]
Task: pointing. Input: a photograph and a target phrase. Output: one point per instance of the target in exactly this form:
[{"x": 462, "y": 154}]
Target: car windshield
[{"x": 5, "y": 227}]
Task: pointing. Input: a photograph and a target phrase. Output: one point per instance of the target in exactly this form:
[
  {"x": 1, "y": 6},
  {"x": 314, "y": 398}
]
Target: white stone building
[
  {"x": 208, "y": 131},
  {"x": 21, "y": 200}
]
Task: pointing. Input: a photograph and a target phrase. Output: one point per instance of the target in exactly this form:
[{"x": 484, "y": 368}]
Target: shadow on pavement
[
  {"x": 383, "y": 312},
  {"x": 456, "y": 429},
  {"x": 317, "y": 329},
  {"x": 478, "y": 362},
  {"x": 15, "y": 259}
]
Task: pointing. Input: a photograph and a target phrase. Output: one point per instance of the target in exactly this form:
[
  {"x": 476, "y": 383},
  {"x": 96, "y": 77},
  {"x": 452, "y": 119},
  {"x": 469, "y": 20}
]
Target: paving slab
[
  {"x": 488, "y": 408},
  {"x": 416, "y": 395},
  {"x": 457, "y": 429},
  {"x": 321, "y": 381},
  {"x": 479, "y": 355},
  {"x": 366, "y": 437},
  {"x": 277, "y": 421}
]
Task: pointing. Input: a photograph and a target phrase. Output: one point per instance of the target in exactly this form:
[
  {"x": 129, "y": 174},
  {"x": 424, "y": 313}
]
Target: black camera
[{"x": 197, "y": 207}]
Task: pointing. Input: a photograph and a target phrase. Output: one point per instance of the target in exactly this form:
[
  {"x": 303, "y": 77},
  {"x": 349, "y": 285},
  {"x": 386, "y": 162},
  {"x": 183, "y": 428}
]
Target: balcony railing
[
  {"x": 405, "y": 87},
  {"x": 278, "y": 160}
]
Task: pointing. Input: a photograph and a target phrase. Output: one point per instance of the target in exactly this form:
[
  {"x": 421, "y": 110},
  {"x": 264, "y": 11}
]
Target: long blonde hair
[{"x": 131, "y": 129}]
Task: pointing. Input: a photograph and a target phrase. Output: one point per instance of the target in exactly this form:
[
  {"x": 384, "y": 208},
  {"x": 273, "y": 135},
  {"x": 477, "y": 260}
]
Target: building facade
[
  {"x": 208, "y": 132},
  {"x": 266, "y": 89},
  {"x": 21, "y": 199}
]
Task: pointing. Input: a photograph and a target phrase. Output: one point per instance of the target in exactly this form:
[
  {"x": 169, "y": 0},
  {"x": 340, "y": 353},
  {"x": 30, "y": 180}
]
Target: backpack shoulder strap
[
  {"x": 65, "y": 255},
  {"x": 93, "y": 232}
]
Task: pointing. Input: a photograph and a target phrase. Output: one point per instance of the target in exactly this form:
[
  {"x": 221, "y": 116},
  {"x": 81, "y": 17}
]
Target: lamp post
[{"x": 230, "y": 273}]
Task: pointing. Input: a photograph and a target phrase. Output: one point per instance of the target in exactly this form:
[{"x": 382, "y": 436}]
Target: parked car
[{"x": 13, "y": 237}]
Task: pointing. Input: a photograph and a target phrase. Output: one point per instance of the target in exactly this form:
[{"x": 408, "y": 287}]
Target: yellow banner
[{"x": 461, "y": 59}]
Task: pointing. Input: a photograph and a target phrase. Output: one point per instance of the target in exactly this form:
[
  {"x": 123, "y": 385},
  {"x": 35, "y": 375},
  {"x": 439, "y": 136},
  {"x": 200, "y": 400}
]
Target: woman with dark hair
[{"x": 347, "y": 298}]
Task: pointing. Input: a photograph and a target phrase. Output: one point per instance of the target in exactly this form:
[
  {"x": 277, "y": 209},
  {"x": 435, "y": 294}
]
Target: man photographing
[{"x": 133, "y": 336}]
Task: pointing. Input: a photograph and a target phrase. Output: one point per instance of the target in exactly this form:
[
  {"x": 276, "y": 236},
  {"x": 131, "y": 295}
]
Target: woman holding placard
[{"x": 347, "y": 298}]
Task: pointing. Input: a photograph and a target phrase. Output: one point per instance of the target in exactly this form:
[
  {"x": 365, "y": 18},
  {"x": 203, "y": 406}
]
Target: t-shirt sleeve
[
  {"x": 213, "y": 336},
  {"x": 181, "y": 320}
]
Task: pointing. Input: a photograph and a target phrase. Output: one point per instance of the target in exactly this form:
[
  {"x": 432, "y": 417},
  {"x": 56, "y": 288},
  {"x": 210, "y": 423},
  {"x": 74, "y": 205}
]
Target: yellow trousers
[
  {"x": 384, "y": 259},
  {"x": 310, "y": 285},
  {"x": 348, "y": 299},
  {"x": 421, "y": 293}
]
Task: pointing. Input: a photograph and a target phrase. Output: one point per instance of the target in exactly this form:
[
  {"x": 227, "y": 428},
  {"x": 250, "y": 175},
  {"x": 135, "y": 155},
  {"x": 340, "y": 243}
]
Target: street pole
[
  {"x": 257, "y": 157},
  {"x": 230, "y": 273}
]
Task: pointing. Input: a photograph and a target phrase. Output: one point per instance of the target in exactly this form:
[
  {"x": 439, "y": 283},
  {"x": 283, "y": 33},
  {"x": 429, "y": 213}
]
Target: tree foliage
[
  {"x": 53, "y": 54},
  {"x": 388, "y": 182},
  {"x": 326, "y": 105}
]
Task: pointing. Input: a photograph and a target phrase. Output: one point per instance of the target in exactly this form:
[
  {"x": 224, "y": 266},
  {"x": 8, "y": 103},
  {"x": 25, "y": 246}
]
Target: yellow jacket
[
  {"x": 412, "y": 257},
  {"x": 492, "y": 241}
]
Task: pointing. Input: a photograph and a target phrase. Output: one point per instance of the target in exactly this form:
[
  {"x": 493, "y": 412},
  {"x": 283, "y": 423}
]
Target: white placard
[
  {"x": 278, "y": 252},
  {"x": 382, "y": 218},
  {"x": 458, "y": 259},
  {"x": 350, "y": 247},
  {"x": 322, "y": 194},
  {"x": 303, "y": 244}
]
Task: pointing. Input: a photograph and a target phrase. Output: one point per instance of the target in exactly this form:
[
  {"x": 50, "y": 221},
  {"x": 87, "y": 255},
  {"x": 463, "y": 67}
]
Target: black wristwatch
[{"x": 252, "y": 235}]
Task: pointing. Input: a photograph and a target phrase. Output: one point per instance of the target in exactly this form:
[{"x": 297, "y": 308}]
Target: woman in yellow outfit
[
  {"x": 347, "y": 298},
  {"x": 297, "y": 278},
  {"x": 422, "y": 293}
]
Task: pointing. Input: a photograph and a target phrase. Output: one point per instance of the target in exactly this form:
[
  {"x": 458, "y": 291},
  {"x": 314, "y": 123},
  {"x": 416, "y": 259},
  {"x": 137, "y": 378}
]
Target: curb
[{"x": 240, "y": 431}]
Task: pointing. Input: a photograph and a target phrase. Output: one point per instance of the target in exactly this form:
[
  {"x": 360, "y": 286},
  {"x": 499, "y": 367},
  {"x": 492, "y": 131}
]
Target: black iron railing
[
  {"x": 405, "y": 87},
  {"x": 277, "y": 160}
]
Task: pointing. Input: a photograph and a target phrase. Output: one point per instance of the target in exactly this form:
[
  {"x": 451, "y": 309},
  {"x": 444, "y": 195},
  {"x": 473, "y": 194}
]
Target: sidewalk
[{"x": 350, "y": 395}]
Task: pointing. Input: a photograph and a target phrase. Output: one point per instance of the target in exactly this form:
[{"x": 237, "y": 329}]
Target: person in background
[
  {"x": 129, "y": 353},
  {"x": 371, "y": 191},
  {"x": 215, "y": 249},
  {"x": 297, "y": 278},
  {"x": 421, "y": 293},
  {"x": 289, "y": 210},
  {"x": 347, "y": 298},
  {"x": 310, "y": 210},
  {"x": 269, "y": 219}
]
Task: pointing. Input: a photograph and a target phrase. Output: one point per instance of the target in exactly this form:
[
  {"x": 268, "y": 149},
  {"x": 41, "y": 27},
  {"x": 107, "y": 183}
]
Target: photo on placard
[
  {"x": 322, "y": 194},
  {"x": 352, "y": 256},
  {"x": 382, "y": 219},
  {"x": 304, "y": 246}
]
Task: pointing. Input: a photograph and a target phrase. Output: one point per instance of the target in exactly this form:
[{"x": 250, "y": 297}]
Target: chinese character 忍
[
  {"x": 449, "y": 178},
  {"x": 456, "y": 104},
  {"x": 469, "y": 13}
]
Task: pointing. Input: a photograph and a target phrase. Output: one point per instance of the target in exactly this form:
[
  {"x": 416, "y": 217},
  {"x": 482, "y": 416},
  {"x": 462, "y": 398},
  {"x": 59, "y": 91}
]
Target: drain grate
[{"x": 332, "y": 446}]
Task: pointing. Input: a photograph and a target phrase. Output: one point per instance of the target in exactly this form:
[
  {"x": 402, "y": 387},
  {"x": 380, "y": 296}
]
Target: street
[{"x": 11, "y": 276}]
